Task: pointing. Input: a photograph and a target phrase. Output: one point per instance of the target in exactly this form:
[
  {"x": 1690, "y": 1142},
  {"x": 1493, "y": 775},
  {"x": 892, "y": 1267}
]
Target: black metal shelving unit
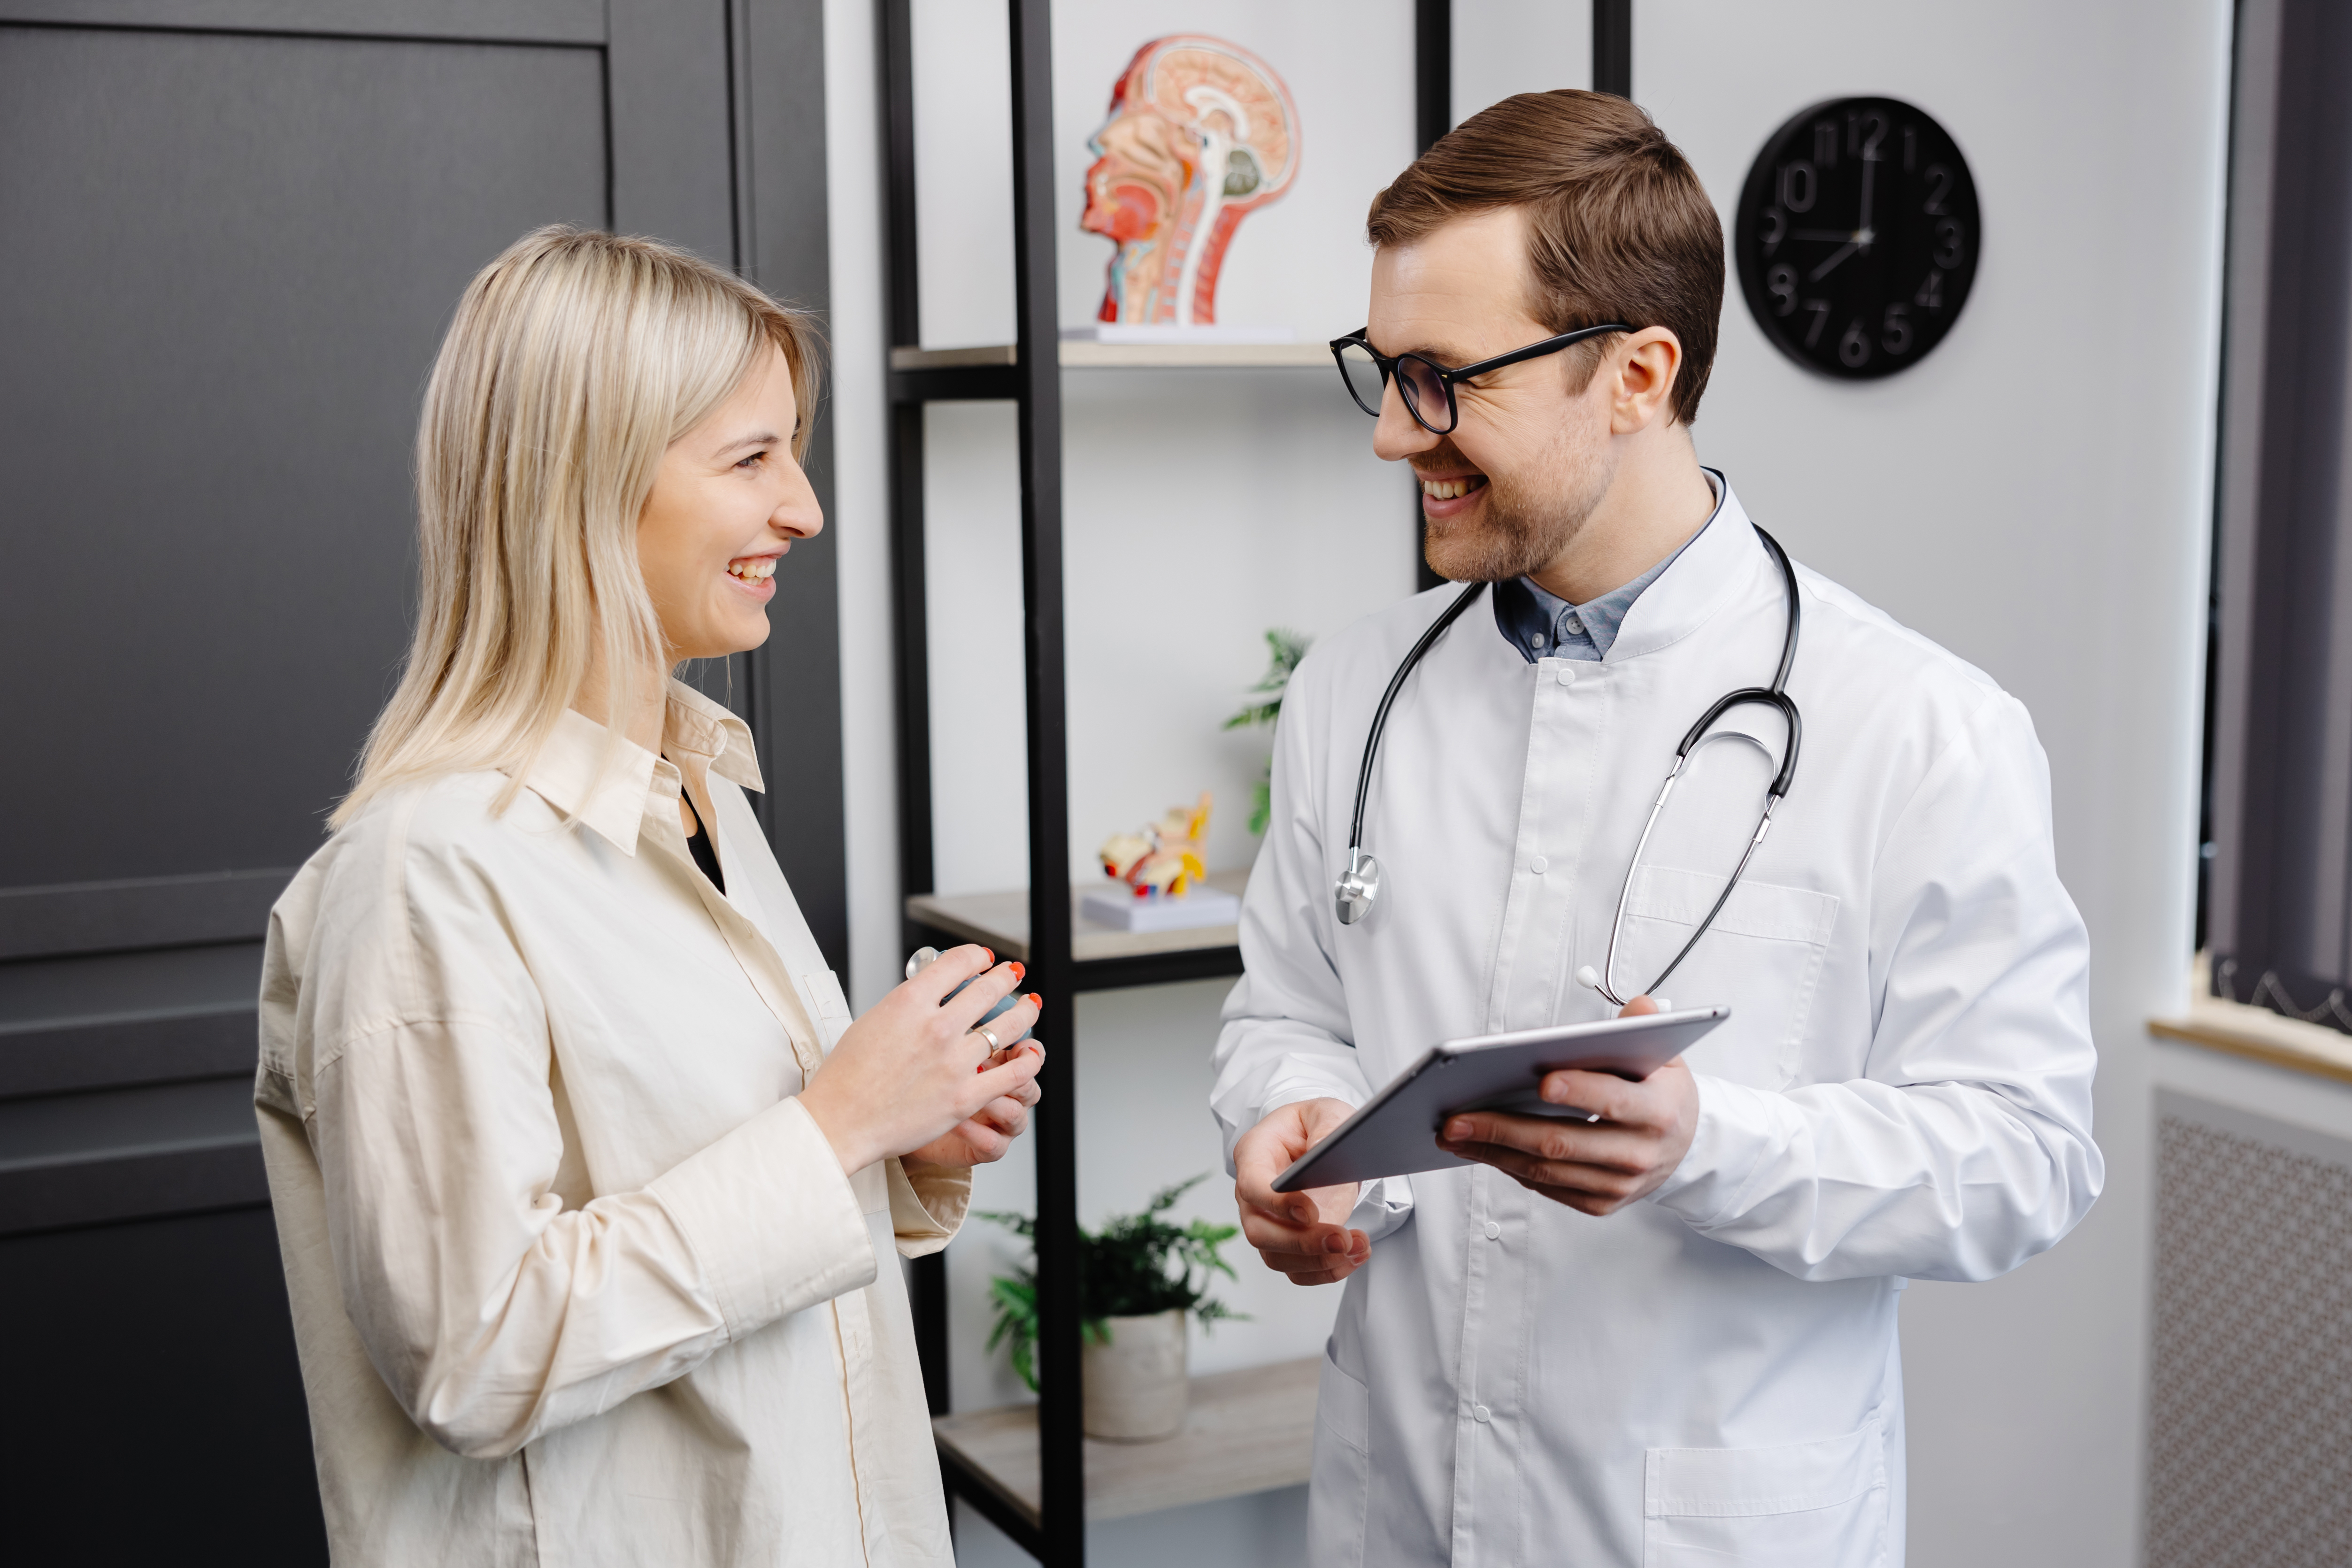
[{"x": 1031, "y": 376}]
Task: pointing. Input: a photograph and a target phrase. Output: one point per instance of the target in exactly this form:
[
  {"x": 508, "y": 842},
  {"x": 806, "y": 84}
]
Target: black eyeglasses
[{"x": 1427, "y": 386}]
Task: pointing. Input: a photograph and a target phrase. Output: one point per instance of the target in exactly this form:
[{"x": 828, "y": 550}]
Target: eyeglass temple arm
[{"x": 1549, "y": 345}]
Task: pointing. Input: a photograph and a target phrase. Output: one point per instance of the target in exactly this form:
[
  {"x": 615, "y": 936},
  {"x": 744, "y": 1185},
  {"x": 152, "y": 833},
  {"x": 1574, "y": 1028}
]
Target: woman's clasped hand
[{"x": 916, "y": 1078}]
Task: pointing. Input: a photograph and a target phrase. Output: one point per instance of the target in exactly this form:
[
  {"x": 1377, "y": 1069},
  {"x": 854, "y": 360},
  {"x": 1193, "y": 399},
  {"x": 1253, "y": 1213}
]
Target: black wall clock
[{"x": 1857, "y": 237}]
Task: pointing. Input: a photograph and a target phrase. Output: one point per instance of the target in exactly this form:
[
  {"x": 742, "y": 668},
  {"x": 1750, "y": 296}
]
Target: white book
[{"x": 1119, "y": 909}]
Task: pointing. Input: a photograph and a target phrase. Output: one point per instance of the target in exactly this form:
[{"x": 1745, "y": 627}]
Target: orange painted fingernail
[
  {"x": 992, "y": 955},
  {"x": 1019, "y": 969},
  {"x": 1036, "y": 999}
]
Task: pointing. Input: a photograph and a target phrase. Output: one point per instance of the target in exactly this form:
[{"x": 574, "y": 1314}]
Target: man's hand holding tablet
[
  {"x": 1304, "y": 1234},
  {"x": 1645, "y": 1128}
]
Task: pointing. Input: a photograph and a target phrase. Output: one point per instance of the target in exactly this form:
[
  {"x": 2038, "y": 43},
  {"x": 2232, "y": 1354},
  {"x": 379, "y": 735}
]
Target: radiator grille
[{"x": 2250, "y": 1400}]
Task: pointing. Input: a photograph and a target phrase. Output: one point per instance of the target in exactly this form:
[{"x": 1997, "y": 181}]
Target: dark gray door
[{"x": 231, "y": 233}]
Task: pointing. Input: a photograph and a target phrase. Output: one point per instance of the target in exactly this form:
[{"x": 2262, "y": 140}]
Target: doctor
[{"x": 1668, "y": 1339}]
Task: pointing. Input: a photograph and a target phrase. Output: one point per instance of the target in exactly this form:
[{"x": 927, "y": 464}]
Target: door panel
[
  {"x": 229, "y": 260},
  {"x": 231, "y": 236}
]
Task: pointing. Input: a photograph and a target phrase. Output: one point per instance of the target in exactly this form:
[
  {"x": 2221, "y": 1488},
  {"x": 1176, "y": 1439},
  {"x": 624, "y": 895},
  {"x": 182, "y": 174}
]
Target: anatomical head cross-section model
[{"x": 1202, "y": 133}]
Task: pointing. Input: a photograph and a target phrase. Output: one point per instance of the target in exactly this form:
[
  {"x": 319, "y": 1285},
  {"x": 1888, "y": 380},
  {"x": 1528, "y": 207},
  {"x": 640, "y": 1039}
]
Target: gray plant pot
[{"x": 1136, "y": 1387}]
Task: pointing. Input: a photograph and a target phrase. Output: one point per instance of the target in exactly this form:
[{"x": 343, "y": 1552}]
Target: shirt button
[
  {"x": 1481, "y": 1412},
  {"x": 1538, "y": 865},
  {"x": 1494, "y": 1231},
  {"x": 1535, "y": 640}
]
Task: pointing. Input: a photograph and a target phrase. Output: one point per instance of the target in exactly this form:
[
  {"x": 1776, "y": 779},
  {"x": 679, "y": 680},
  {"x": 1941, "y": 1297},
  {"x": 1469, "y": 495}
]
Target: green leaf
[{"x": 1286, "y": 648}]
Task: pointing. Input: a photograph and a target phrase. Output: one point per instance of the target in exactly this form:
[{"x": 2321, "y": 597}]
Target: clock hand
[
  {"x": 1863, "y": 236},
  {"x": 1822, "y": 234},
  {"x": 1840, "y": 254}
]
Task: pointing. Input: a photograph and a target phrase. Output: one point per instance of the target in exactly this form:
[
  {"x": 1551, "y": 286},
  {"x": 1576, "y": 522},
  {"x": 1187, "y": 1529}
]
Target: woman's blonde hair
[{"x": 575, "y": 359}]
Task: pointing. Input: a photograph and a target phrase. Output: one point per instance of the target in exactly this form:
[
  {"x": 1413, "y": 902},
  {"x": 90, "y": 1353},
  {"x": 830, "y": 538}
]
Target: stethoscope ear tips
[{"x": 1588, "y": 977}]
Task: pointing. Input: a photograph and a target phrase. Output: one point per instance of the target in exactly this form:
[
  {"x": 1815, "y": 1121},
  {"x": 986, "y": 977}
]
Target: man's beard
[{"x": 1514, "y": 531}]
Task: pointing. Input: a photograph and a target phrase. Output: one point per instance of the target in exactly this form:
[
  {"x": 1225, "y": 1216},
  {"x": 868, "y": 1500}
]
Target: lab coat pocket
[
  {"x": 1761, "y": 958},
  {"x": 1801, "y": 1505},
  {"x": 1341, "y": 1491}
]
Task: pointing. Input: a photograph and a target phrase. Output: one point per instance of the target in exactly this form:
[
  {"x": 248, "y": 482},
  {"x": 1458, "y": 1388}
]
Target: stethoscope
[{"x": 1360, "y": 885}]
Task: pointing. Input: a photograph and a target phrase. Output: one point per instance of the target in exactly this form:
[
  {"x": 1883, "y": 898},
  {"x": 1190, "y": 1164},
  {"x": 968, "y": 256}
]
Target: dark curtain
[{"x": 2279, "y": 897}]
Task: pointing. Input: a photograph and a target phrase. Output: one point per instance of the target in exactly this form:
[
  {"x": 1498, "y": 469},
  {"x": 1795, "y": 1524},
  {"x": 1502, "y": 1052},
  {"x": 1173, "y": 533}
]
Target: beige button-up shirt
[{"x": 574, "y": 1277}]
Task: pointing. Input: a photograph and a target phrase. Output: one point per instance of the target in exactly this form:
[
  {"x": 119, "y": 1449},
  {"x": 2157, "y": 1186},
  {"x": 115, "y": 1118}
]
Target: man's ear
[{"x": 1645, "y": 366}]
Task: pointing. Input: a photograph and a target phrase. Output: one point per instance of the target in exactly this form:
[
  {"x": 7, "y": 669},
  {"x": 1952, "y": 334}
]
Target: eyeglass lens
[
  {"x": 1363, "y": 375},
  {"x": 1424, "y": 392}
]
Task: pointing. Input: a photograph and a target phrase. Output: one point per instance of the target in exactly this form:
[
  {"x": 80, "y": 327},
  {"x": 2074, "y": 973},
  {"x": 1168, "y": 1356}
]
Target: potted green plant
[
  {"x": 1287, "y": 647},
  {"x": 1137, "y": 1277}
]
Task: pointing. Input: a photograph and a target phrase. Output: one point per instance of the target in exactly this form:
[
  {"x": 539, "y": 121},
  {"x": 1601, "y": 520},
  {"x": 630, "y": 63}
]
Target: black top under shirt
[{"x": 698, "y": 845}]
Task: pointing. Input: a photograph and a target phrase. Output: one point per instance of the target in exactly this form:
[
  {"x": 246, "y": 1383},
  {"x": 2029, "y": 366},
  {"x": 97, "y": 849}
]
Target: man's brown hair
[{"x": 1619, "y": 228}]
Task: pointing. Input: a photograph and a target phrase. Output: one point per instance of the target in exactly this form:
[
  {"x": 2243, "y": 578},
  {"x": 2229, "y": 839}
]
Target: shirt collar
[
  {"x": 606, "y": 780},
  {"x": 1723, "y": 562},
  {"x": 1536, "y": 622}
]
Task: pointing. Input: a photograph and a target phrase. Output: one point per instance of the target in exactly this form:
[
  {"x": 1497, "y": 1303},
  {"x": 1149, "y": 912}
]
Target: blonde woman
[{"x": 591, "y": 1192}]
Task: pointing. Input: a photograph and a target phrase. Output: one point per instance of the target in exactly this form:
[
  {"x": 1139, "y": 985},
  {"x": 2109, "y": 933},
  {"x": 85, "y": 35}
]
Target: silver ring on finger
[{"x": 992, "y": 1047}]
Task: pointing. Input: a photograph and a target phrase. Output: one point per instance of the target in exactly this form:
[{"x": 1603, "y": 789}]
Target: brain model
[{"x": 1202, "y": 133}]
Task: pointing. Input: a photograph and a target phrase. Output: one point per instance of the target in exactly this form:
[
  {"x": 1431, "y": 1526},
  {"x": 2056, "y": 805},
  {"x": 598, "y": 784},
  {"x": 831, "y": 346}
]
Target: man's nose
[{"x": 1398, "y": 434}]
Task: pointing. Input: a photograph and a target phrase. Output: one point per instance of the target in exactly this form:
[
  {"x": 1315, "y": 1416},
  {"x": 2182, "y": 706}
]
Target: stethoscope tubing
[
  {"x": 1775, "y": 697},
  {"x": 1388, "y": 699}
]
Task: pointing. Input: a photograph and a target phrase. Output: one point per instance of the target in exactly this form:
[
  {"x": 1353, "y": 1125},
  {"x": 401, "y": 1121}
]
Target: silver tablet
[{"x": 1395, "y": 1133}]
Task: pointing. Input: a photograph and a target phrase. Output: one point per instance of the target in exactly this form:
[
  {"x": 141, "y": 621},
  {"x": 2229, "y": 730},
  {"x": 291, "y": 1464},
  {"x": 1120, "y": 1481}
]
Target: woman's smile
[{"x": 756, "y": 574}]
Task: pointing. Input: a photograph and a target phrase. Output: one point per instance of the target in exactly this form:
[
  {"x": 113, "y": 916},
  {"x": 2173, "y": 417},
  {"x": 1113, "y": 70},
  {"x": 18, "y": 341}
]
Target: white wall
[{"x": 2035, "y": 496}]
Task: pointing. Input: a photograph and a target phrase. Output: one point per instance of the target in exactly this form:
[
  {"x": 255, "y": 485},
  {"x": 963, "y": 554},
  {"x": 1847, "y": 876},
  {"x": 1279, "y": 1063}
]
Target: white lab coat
[{"x": 1710, "y": 1376}]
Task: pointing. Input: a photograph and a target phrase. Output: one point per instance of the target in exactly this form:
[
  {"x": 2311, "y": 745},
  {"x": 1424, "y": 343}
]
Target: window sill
[{"x": 2256, "y": 1033}]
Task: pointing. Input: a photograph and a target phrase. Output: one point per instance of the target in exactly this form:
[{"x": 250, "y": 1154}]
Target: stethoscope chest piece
[{"x": 1357, "y": 887}]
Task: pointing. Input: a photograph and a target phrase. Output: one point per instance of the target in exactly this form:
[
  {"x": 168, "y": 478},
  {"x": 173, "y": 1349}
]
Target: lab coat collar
[
  {"x": 603, "y": 780},
  {"x": 1717, "y": 565}
]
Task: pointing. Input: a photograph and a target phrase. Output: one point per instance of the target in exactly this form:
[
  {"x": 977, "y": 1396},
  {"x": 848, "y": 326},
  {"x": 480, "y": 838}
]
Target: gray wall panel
[
  {"x": 229, "y": 261},
  {"x": 673, "y": 165},
  {"x": 797, "y": 684},
  {"x": 529, "y": 21},
  {"x": 190, "y": 1444}
]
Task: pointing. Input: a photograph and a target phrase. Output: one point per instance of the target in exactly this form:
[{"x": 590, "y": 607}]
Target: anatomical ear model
[{"x": 1201, "y": 133}]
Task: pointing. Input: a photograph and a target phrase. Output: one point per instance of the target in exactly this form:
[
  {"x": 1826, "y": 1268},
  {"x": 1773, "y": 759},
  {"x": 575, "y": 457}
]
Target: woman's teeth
[
  {"x": 1447, "y": 489},
  {"x": 755, "y": 569}
]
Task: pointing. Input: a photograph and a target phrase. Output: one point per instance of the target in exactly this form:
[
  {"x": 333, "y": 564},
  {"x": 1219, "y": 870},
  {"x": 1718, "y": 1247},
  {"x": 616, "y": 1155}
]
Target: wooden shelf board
[
  {"x": 1127, "y": 356},
  {"x": 1001, "y": 922},
  {"x": 1249, "y": 1431}
]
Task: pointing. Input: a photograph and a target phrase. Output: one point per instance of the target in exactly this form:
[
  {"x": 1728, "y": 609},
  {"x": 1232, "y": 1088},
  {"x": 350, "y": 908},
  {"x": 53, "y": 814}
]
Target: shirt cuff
[
  {"x": 1738, "y": 1128},
  {"x": 772, "y": 1218},
  {"x": 926, "y": 1205},
  {"x": 1382, "y": 1206}
]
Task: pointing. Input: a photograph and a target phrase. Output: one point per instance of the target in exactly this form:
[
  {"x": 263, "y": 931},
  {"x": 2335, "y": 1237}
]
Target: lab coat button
[
  {"x": 1481, "y": 1412},
  {"x": 1538, "y": 865},
  {"x": 1567, "y": 673},
  {"x": 1494, "y": 1231}
]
